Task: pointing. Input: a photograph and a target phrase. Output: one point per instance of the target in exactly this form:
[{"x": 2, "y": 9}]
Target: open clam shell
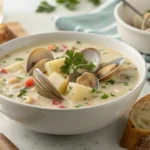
[
  {"x": 110, "y": 69},
  {"x": 37, "y": 55},
  {"x": 44, "y": 87},
  {"x": 91, "y": 55},
  {"x": 145, "y": 25},
  {"x": 39, "y": 65},
  {"x": 88, "y": 79},
  {"x": 137, "y": 21}
]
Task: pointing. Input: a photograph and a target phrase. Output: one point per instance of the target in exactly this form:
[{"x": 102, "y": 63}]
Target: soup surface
[{"x": 18, "y": 85}]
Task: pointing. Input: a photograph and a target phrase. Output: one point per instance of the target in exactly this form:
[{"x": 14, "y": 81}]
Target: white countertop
[{"x": 104, "y": 139}]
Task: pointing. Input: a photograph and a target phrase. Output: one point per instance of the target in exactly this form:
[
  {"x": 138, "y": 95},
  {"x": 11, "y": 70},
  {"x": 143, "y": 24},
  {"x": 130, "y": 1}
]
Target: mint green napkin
[{"x": 101, "y": 21}]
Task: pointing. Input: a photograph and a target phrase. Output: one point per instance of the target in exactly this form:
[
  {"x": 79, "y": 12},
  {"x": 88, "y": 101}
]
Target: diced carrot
[
  {"x": 56, "y": 102},
  {"x": 51, "y": 47},
  {"x": 3, "y": 71},
  {"x": 61, "y": 106},
  {"x": 29, "y": 82}
]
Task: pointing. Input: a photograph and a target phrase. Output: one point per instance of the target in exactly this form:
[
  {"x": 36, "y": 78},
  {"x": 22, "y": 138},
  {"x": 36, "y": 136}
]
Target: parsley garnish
[
  {"x": 70, "y": 4},
  {"x": 22, "y": 92},
  {"x": 74, "y": 61},
  {"x": 77, "y": 106},
  {"x": 95, "y": 2},
  {"x": 111, "y": 81},
  {"x": 19, "y": 77},
  {"x": 45, "y": 7},
  {"x": 19, "y": 59},
  {"x": 112, "y": 94},
  {"x": 104, "y": 96},
  {"x": 93, "y": 90},
  {"x": 125, "y": 84},
  {"x": 78, "y": 42},
  {"x": 55, "y": 49}
]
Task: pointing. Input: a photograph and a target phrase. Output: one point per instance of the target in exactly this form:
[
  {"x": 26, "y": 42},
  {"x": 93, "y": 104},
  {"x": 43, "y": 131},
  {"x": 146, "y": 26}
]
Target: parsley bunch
[
  {"x": 45, "y": 7},
  {"x": 74, "y": 61},
  {"x": 69, "y": 4}
]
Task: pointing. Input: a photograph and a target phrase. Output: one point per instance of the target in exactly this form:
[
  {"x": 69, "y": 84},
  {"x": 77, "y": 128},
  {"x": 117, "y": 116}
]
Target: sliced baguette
[
  {"x": 6, "y": 34},
  {"x": 137, "y": 133}
]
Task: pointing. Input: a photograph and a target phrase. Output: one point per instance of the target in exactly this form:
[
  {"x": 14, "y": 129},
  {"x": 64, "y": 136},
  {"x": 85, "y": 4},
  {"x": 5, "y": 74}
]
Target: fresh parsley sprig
[
  {"x": 74, "y": 61},
  {"x": 45, "y": 7}
]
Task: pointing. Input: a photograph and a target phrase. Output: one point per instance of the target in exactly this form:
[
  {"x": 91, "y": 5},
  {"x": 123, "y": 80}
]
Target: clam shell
[
  {"x": 91, "y": 55},
  {"x": 40, "y": 66},
  {"x": 44, "y": 87},
  {"x": 110, "y": 69},
  {"x": 88, "y": 79},
  {"x": 145, "y": 25},
  {"x": 37, "y": 55}
]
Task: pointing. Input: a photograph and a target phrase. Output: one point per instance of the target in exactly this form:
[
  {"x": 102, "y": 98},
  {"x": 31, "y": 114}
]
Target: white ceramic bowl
[
  {"x": 72, "y": 121},
  {"x": 135, "y": 37}
]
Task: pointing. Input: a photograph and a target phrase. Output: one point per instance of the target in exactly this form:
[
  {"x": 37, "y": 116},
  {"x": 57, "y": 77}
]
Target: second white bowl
[{"x": 137, "y": 38}]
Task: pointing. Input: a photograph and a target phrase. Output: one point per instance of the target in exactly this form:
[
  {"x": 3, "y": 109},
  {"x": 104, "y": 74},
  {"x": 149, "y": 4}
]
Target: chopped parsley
[
  {"x": 78, "y": 42},
  {"x": 4, "y": 61},
  {"x": 45, "y": 7},
  {"x": 84, "y": 98},
  {"x": 93, "y": 90},
  {"x": 103, "y": 86},
  {"x": 113, "y": 95},
  {"x": 77, "y": 106},
  {"x": 125, "y": 84},
  {"x": 19, "y": 59},
  {"x": 111, "y": 81},
  {"x": 127, "y": 77},
  {"x": 104, "y": 96},
  {"x": 4, "y": 79},
  {"x": 130, "y": 89},
  {"x": 56, "y": 49},
  {"x": 22, "y": 92}
]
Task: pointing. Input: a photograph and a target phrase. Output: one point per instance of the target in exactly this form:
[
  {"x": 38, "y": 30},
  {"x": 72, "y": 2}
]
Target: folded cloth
[{"x": 101, "y": 21}]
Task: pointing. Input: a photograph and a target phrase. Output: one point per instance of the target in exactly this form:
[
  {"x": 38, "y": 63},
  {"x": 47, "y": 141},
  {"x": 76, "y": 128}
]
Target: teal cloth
[{"x": 101, "y": 21}]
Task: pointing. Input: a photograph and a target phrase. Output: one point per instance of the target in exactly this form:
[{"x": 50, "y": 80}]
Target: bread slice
[
  {"x": 6, "y": 34},
  {"x": 137, "y": 133}
]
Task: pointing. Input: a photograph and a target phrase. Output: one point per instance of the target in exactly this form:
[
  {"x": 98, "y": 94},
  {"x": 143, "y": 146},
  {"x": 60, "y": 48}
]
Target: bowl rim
[
  {"x": 123, "y": 23},
  {"x": 140, "y": 81}
]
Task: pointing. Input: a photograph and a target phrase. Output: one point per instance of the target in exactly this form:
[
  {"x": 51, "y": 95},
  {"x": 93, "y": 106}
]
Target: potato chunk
[
  {"x": 78, "y": 92},
  {"x": 14, "y": 67},
  {"x": 54, "y": 65},
  {"x": 59, "y": 82}
]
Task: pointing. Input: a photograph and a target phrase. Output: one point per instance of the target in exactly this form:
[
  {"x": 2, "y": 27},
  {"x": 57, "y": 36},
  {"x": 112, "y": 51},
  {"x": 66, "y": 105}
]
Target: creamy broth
[{"x": 12, "y": 84}]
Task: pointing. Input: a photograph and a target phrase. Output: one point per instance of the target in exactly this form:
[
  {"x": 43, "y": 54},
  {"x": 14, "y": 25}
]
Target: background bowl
[
  {"x": 135, "y": 37},
  {"x": 72, "y": 121}
]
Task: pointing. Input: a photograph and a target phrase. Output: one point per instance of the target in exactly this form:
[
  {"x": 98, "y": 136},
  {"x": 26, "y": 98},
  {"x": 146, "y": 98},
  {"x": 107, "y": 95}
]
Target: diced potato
[
  {"x": 13, "y": 80},
  {"x": 54, "y": 65},
  {"x": 2, "y": 81},
  {"x": 14, "y": 67},
  {"x": 78, "y": 92},
  {"x": 59, "y": 82},
  {"x": 29, "y": 100}
]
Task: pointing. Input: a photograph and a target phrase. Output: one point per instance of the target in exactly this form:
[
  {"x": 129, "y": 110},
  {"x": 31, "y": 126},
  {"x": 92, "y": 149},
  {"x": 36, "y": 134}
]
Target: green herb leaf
[
  {"x": 22, "y": 92},
  {"x": 77, "y": 106},
  {"x": 111, "y": 81},
  {"x": 112, "y": 95},
  {"x": 95, "y": 2},
  {"x": 125, "y": 84},
  {"x": 74, "y": 61},
  {"x": 104, "y": 96},
  {"x": 78, "y": 42},
  {"x": 19, "y": 59},
  {"x": 45, "y": 7}
]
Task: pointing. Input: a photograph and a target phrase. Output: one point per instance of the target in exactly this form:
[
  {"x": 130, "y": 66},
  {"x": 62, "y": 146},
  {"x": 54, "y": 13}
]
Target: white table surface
[{"x": 104, "y": 139}]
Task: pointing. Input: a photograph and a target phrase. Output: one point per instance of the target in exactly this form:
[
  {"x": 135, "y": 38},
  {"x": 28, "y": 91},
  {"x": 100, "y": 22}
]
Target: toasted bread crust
[
  {"x": 132, "y": 135},
  {"x": 6, "y": 34}
]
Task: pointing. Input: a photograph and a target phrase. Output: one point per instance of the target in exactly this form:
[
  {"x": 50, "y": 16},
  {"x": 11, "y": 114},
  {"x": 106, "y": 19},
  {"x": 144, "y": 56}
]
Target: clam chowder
[{"x": 80, "y": 75}]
